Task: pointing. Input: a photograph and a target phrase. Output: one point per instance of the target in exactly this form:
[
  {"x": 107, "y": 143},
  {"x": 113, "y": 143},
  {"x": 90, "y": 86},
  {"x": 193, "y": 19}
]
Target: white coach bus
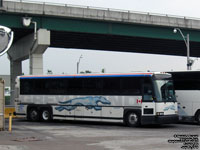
[
  {"x": 134, "y": 98},
  {"x": 187, "y": 87}
]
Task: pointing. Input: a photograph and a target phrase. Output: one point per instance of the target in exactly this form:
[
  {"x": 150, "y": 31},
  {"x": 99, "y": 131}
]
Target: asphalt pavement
[{"x": 79, "y": 135}]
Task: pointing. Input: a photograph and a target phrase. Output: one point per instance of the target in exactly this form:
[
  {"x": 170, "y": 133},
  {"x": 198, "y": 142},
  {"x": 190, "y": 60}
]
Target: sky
[{"x": 65, "y": 60}]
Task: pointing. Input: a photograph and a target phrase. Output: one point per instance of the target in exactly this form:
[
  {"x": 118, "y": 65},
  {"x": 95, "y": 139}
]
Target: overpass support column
[
  {"x": 15, "y": 70},
  {"x": 36, "y": 54},
  {"x": 36, "y": 64},
  {"x": 28, "y": 47}
]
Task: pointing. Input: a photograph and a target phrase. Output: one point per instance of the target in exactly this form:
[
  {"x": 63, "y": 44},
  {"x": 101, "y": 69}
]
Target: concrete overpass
[
  {"x": 67, "y": 26},
  {"x": 103, "y": 29}
]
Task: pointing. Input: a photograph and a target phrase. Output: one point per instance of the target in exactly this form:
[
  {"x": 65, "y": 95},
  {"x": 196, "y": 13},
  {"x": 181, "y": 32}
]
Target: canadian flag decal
[{"x": 139, "y": 101}]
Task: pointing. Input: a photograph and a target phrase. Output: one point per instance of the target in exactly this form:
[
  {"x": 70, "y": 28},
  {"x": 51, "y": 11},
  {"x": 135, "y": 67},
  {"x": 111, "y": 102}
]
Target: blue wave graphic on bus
[
  {"x": 172, "y": 107},
  {"x": 90, "y": 102}
]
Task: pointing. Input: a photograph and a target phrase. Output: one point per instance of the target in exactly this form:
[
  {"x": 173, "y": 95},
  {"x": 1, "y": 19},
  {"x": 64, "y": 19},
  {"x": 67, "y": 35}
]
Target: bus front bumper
[{"x": 167, "y": 119}]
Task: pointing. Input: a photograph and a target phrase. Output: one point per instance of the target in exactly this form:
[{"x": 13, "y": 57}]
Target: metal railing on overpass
[{"x": 99, "y": 8}]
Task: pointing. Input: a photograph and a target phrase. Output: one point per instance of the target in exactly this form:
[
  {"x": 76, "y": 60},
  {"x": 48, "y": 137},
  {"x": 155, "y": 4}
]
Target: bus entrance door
[{"x": 148, "y": 104}]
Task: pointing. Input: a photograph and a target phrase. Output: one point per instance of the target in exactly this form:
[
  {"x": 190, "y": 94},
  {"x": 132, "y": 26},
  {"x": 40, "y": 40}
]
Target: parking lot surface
[{"x": 73, "y": 135}]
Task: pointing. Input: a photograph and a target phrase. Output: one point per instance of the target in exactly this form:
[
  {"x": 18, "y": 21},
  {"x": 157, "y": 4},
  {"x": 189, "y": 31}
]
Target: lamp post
[
  {"x": 79, "y": 63},
  {"x": 187, "y": 43},
  {"x": 27, "y": 22}
]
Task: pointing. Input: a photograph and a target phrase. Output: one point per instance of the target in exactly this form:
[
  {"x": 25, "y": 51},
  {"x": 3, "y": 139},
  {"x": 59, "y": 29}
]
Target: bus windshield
[{"x": 164, "y": 91}]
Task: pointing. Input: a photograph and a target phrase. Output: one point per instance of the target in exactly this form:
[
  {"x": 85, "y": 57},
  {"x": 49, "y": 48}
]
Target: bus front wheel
[
  {"x": 46, "y": 115},
  {"x": 132, "y": 119},
  {"x": 33, "y": 114}
]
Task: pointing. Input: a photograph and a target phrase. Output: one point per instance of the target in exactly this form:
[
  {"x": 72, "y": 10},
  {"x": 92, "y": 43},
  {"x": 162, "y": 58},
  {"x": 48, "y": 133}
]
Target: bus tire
[
  {"x": 132, "y": 119},
  {"x": 46, "y": 115},
  {"x": 33, "y": 114},
  {"x": 197, "y": 117}
]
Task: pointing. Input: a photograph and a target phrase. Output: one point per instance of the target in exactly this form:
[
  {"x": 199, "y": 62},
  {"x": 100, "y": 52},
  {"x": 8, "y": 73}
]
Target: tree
[
  {"x": 103, "y": 70},
  {"x": 86, "y": 71},
  {"x": 49, "y": 71},
  {"x": 82, "y": 72}
]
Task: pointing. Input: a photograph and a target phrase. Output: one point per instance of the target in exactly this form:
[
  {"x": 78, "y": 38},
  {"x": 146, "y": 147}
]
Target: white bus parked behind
[{"x": 187, "y": 87}]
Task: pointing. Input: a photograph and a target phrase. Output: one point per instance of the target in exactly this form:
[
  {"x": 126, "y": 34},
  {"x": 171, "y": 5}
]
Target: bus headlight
[{"x": 160, "y": 113}]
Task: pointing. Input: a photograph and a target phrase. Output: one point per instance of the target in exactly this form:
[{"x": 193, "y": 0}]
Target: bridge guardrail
[{"x": 102, "y": 8}]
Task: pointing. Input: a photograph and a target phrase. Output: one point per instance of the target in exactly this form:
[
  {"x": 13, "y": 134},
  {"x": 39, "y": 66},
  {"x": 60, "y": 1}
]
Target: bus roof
[{"x": 148, "y": 74}]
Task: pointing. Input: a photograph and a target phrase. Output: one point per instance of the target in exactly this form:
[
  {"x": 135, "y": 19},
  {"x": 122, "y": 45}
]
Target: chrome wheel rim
[
  {"x": 133, "y": 118},
  {"x": 45, "y": 115},
  {"x": 34, "y": 115}
]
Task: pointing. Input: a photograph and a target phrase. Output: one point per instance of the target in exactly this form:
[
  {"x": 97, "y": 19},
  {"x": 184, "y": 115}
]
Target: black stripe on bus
[
  {"x": 89, "y": 117},
  {"x": 54, "y": 104}
]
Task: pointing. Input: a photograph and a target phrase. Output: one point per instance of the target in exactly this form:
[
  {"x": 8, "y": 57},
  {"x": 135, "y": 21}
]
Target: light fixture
[
  {"x": 175, "y": 30},
  {"x": 26, "y": 21},
  {"x": 187, "y": 43},
  {"x": 79, "y": 63}
]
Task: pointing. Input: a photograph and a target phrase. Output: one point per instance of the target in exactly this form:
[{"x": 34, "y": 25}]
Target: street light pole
[
  {"x": 79, "y": 63},
  {"x": 189, "y": 64},
  {"x": 187, "y": 43}
]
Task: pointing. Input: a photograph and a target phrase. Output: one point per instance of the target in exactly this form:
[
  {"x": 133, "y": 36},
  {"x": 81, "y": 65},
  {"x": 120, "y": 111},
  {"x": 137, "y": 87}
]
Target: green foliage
[
  {"x": 7, "y": 100},
  {"x": 49, "y": 71},
  {"x": 103, "y": 70},
  {"x": 86, "y": 72}
]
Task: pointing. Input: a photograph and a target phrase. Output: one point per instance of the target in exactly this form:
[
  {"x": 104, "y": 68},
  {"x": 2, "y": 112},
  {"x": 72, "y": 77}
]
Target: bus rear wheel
[
  {"x": 33, "y": 114},
  {"x": 132, "y": 119},
  {"x": 46, "y": 115}
]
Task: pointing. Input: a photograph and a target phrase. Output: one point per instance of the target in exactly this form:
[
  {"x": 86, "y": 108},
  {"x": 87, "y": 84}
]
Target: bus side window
[{"x": 25, "y": 87}]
